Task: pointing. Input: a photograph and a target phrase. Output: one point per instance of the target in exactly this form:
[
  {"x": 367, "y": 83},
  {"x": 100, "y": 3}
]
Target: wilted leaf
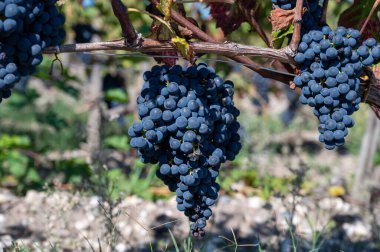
[
  {"x": 161, "y": 32},
  {"x": 166, "y": 59},
  {"x": 162, "y": 191},
  {"x": 281, "y": 19},
  {"x": 372, "y": 30},
  {"x": 184, "y": 48},
  {"x": 228, "y": 16},
  {"x": 165, "y": 7},
  {"x": 280, "y": 35},
  {"x": 337, "y": 191}
]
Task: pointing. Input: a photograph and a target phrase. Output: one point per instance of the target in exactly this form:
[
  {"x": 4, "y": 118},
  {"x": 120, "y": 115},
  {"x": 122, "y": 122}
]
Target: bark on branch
[
  {"x": 370, "y": 92},
  {"x": 297, "y": 26},
  {"x": 152, "y": 46},
  {"x": 265, "y": 72},
  {"x": 121, "y": 12}
]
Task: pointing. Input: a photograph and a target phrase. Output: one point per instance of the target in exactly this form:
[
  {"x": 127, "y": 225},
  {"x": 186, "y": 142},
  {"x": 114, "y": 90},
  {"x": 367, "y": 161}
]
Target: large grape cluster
[
  {"x": 26, "y": 28},
  {"x": 188, "y": 125},
  {"x": 331, "y": 63}
]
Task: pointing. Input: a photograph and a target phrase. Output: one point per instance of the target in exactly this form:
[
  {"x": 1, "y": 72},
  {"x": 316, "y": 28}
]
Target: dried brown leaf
[{"x": 281, "y": 19}]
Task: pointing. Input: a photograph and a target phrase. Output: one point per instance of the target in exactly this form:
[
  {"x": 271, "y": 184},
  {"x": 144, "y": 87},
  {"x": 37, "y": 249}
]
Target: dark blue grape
[
  {"x": 170, "y": 104},
  {"x": 167, "y": 116}
]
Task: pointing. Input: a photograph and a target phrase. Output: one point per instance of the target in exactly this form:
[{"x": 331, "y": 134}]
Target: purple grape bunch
[
  {"x": 26, "y": 28},
  {"x": 188, "y": 125},
  {"x": 331, "y": 63}
]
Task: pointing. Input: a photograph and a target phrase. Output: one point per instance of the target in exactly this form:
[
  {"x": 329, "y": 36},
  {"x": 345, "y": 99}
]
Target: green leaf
[
  {"x": 116, "y": 94},
  {"x": 33, "y": 176},
  {"x": 280, "y": 35},
  {"x": 8, "y": 141},
  {"x": 118, "y": 142},
  {"x": 165, "y": 7},
  {"x": 18, "y": 164},
  {"x": 174, "y": 241}
]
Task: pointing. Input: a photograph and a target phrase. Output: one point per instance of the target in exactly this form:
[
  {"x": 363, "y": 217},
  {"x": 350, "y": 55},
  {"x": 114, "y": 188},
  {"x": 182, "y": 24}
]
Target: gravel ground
[{"x": 71, "y": 222}]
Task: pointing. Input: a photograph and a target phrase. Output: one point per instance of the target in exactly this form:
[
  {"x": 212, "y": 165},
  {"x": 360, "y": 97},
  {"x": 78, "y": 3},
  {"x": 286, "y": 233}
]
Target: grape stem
[
  {"x": 374, "y": 7},
  {"x": 121, "y": 13},
  {"x": 297, "y": 26},
  {"x": 249, "y": 16}
]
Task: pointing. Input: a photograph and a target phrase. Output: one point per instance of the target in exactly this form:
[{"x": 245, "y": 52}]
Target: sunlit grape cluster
[
  {"x": 188, "y": 125},
  {"x": 331, "y": 62},
  {"x": 26, "y": 28}
]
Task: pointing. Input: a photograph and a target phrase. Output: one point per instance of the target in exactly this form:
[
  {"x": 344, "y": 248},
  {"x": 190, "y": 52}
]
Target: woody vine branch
[{"x": 133, "y": 42}]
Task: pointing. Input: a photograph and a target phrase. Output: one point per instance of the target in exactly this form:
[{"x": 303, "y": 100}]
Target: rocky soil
[{"x": 73, "y": 222}]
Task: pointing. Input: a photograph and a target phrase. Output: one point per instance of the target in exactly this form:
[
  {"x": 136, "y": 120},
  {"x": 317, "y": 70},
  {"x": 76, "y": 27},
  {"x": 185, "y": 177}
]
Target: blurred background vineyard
[{"x": 65, "y": 129}]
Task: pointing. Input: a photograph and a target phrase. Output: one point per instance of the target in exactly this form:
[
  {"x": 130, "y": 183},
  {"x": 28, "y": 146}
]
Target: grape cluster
[
  {"x": 262, "y": 87},
  {"x": 83, "y": 33},
  {"x": 188, "y": 125},
  {"x": 26, "y": 28},
  {"x": 285, "y": 4},
  {"x": 331, "y": 63}
]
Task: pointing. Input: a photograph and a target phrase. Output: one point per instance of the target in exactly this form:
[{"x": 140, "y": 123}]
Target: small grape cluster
[
  {"x": 331, "y": 63},
  {"x": 262, "y": 86},
  {"x": 83, "y": 33},
  {"x": 285, "y": 4},
  {"x": 26, "y": 28},
  {"x": 188, "y": 125}
]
